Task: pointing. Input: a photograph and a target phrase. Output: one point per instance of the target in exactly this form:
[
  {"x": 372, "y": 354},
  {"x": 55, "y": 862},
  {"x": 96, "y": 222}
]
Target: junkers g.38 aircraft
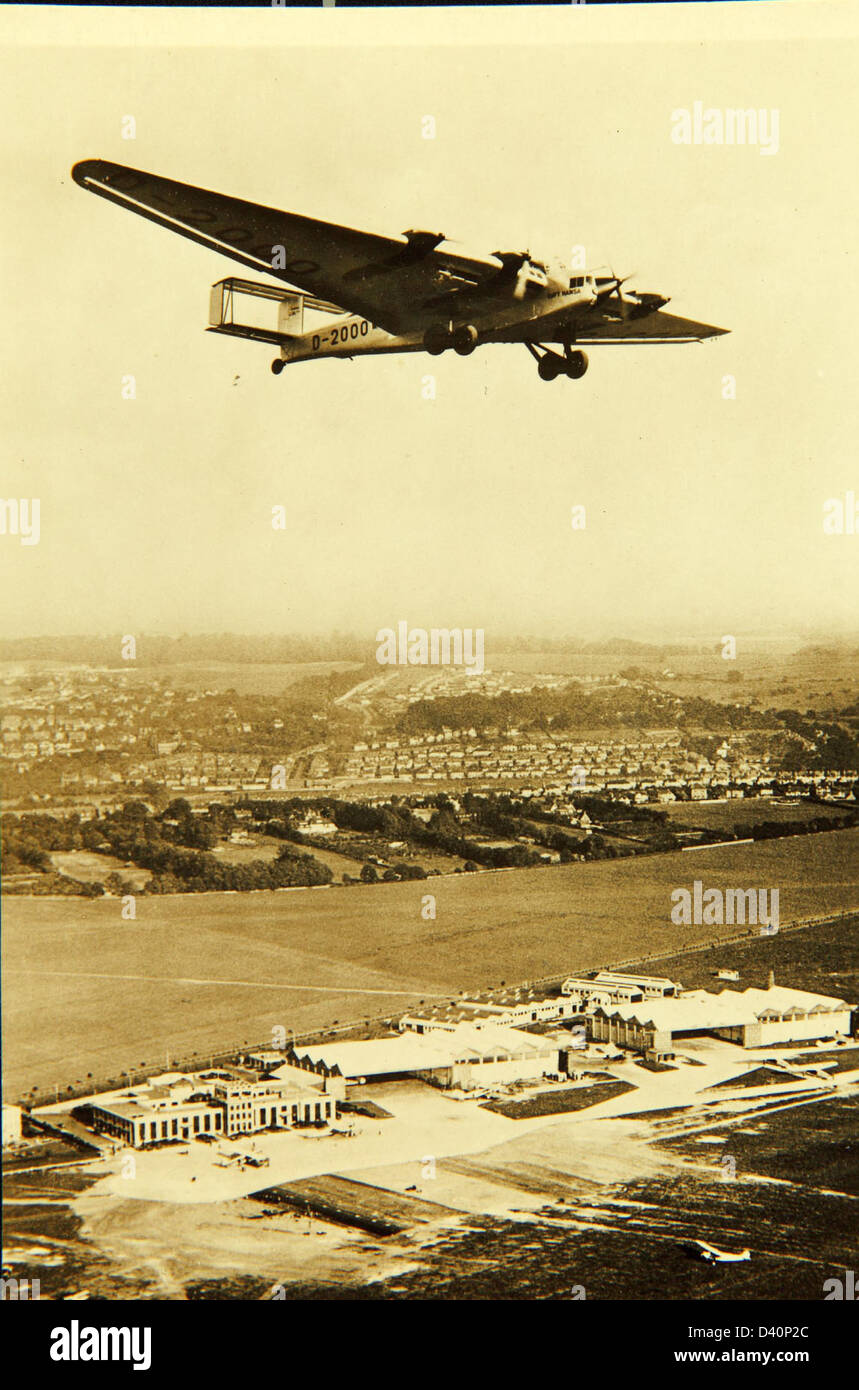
[{"x": 411, "y": 293}]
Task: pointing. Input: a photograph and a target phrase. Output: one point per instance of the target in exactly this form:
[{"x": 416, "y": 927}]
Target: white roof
[
  {"x": 421, "y": 1051},
  {"x": 781, "y": 997},
  {"x": 621, "y": 977},
  {"x": 729, "y": 1009}
]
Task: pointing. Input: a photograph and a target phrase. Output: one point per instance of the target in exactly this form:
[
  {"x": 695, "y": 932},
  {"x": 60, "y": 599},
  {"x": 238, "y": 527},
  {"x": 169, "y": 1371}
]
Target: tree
[{"x": 369, "y": 875}]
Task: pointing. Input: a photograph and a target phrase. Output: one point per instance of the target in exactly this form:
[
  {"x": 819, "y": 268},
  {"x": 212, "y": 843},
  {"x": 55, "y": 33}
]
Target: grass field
[
  {"x": 725, "y": 815},
  {"x": 824, "y": 960},
  {"x": 246, "y": 678},
  {"x": 84, "y": 991},
  {"x": 86, "y": 867},
  {"x": 558, "y": 1102},
  {"x": 267, "y": 848}
]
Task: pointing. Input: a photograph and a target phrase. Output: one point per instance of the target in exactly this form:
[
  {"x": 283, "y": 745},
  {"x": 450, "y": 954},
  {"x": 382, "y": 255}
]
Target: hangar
[
  {"x": 463, "y": 1056},
  {"x": 751, "y": 1017}
]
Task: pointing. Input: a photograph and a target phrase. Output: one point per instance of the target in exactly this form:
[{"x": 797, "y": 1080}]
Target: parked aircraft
[{"x": 713, "y": 1255}]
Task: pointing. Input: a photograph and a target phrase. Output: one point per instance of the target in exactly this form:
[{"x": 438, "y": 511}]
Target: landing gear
[
  {"x": 573, "y": 364},
  {"x": 278, "y": 365},
  {"x": 463, "y": 339},
  {"x": 576, "y": 364},
  {"x": 549, "y": 366},
  {"x": 436, "y": 339}
]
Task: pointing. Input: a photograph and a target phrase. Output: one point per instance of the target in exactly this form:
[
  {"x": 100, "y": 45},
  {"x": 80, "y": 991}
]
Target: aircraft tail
[{"x": 283, "y": 311}]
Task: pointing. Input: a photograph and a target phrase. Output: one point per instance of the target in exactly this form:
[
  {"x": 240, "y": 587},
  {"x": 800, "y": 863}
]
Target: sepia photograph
[{"x": 429, "y": 744}]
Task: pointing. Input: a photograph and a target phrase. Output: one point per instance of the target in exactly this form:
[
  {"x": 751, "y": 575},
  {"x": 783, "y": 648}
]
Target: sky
[{"x": 703, "y": 514}]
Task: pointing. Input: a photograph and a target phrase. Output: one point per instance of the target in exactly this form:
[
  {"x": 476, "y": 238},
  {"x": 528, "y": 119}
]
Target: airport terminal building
[{"x": 178, "y": 1107}]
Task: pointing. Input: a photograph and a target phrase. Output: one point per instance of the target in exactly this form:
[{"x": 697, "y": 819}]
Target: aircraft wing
[
  {"x": 392, "y": 281},
  {"x": 657, "y": 327}
]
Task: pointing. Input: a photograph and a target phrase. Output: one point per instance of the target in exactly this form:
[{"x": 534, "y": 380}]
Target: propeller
[
  {"x": 512, "y": 265},
  {"x": 609, "y": 287},
  {"x": 611, "y": 284}
]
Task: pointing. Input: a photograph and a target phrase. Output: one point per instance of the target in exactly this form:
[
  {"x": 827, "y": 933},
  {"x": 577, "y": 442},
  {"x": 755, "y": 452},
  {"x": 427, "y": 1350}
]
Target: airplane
[
  {"x": 418, "y": 292},
  {"x": 713, "y": 1255}
]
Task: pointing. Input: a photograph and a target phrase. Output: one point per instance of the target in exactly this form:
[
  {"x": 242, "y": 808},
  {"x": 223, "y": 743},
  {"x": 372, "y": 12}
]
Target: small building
[
  {"x": 610, "y": 987},
  {"x": 482, "y": 1013},
  {"x": 316, "y": 825},
  {"x": 11, "y": 1125}
]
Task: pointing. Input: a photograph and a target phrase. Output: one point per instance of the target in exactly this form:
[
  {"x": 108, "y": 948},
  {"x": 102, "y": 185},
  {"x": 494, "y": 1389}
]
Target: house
[{"x": 316, "y": 825}]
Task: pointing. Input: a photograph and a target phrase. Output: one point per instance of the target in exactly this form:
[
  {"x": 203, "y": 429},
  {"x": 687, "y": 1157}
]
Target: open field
[
  {"x": 772, "y": 673},
  {"x": 267, "y": 848},
  {"x": 84, "y": 866},
  {"x": 823, "y": 960},
  {"x": 725, "y": 815},
  {"x": 84, "y": 991},
  {"x": 558, "y": 1102},
  {"x": 246, "y": 678}
]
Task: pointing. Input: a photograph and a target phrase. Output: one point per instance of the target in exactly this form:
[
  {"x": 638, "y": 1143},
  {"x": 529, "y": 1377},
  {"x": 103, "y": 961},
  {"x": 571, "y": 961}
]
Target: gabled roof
[
  {"x": 728, "y": 1009},
  {"x": 403, "y": 1052}
]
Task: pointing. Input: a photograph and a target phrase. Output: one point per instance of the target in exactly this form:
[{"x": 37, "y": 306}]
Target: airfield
[
  {"x": 90, "y": 995},
  {"x": 723, "y": 1147}
]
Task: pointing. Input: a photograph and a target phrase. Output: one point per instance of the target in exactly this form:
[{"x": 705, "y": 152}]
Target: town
[{"x": 437, "y": 772}]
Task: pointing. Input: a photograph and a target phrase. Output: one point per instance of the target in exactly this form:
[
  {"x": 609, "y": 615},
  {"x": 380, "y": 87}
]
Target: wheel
[
  {"x": 577, "y": 365},
  {"x": 278, "y": 365},
  {"x": 549, "y": 366},
  {"x": 465, "y": 339},
  {"x": 436, "y": 339}
]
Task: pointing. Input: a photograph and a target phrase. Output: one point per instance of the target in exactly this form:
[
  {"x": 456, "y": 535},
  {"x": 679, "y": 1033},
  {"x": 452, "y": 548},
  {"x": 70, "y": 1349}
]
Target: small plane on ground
[
  {"x": 418, "y": 292},
  {"x": 713, "y": 1255}
]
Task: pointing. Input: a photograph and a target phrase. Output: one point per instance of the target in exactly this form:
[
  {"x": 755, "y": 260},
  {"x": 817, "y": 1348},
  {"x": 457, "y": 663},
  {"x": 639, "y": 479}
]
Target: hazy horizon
[{"x": 500, "y": 640}]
